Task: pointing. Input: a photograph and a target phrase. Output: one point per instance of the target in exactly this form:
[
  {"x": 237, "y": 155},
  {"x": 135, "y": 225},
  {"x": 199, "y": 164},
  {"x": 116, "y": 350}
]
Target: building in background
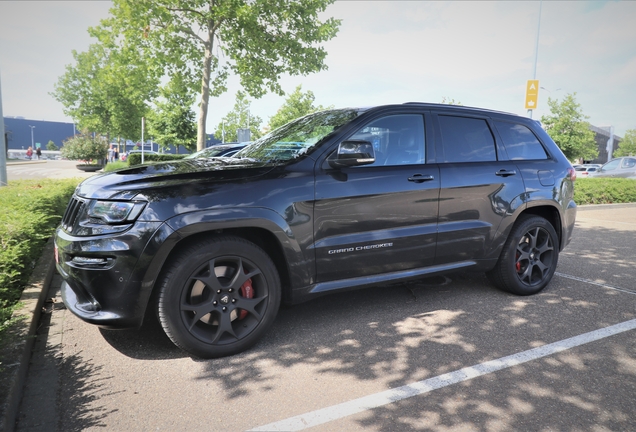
[
  {"x": 18, "y": 136},
  {"x": 18, "y": 132},
  {"x": 605, "y": 138}
]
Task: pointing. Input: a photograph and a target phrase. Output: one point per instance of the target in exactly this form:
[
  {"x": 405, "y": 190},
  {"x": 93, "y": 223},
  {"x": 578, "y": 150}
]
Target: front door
[{"x": 378, "y": 218}]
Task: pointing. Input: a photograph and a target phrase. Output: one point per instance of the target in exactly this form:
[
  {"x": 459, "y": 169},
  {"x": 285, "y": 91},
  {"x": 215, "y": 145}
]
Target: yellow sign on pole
[{"x": 532, "y": 94}]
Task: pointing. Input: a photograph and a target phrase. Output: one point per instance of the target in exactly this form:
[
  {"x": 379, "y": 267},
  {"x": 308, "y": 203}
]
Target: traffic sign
[{"x": 532, "y": 94}]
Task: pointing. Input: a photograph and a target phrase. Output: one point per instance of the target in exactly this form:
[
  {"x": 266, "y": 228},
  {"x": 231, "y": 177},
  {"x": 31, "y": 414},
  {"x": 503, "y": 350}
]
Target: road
[
  {"x": 472, "y": 358},
  {"x": 56, "y": 169}
]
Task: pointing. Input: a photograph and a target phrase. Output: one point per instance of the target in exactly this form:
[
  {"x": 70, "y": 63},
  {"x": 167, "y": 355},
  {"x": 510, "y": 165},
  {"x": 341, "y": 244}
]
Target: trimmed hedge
[
  {"x": 603, "y": 190},
  {"x": 135, "y": 158},
  {"x": 31, "y": 209}
]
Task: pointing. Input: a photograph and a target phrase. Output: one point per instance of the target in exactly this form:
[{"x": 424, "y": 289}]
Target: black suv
[{"x": 335, "y": 200}]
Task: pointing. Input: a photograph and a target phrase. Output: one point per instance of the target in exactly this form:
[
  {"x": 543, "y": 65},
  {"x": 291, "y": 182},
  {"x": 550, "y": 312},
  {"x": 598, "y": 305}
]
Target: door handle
[
  {"x": 419, "y": 178},
  {"x": 506, "y": 173}
]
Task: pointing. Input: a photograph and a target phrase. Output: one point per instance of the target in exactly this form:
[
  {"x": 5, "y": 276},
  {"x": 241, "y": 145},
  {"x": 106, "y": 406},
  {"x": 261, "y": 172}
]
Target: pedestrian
[
  {"x": 29, "y": 153},
  {"x": 38, "y": 152},
  {"x": 116, "y": 155},
  {"x": 111, "y": 154}
]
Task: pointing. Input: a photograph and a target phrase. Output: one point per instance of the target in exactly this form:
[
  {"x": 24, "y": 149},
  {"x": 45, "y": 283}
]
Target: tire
[
  {"x": 219, "y": 297},
  {"x": 529, "y": 257}
]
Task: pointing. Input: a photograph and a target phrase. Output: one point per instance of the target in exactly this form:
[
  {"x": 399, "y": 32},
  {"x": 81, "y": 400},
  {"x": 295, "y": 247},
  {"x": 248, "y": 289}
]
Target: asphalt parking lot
[
  {"x": 438, "y": 354},
  {"x": 39, "y": 169}
]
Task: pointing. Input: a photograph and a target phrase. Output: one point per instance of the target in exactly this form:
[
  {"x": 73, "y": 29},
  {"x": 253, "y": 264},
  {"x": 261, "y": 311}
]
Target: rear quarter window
[{"x": 520, "y": 141}]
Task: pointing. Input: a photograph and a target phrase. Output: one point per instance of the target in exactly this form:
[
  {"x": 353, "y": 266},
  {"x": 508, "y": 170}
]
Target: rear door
[
  {"x": 479, "y": 188},
  {"x": 379, "y": 218}
]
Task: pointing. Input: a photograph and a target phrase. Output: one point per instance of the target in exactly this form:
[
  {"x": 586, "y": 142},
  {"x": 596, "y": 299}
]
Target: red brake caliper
[
  {"x": 247, "y": 291},
  {"x": 518, "y": 264}
]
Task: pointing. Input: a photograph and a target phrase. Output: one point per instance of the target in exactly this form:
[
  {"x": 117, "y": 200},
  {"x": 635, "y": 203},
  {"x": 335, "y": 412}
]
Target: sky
[{"x": 477, "y": 53}]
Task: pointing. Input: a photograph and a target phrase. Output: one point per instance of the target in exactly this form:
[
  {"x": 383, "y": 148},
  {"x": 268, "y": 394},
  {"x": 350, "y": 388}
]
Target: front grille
[{"x": 73, "y": 211}]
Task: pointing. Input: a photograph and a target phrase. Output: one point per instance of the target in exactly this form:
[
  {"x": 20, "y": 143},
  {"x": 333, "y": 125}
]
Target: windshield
[
  {"x": 298, "y": 137},
  {"x": 216, "y": 150}
]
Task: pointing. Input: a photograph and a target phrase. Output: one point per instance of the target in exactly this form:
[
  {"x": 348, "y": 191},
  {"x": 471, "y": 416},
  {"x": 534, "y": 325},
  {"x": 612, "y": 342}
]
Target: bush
[
  {"x": 85, "y": 147},
  {"x": 51, "y": 146},
  {"x": 603, "y": 190},
  {"x": 30, "y": 212},
  {"x": 135, "y": 158}
]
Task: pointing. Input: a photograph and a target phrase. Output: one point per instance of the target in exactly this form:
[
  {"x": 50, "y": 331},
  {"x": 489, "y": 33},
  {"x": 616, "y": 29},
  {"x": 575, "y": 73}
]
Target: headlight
[
  {"x": 89, "y": 218},
  {"x": 114, "y": 211}
]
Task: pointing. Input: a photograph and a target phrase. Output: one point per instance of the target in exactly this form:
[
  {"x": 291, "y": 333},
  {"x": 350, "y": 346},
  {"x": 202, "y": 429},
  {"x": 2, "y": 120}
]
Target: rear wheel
[
  {"x": 219, "y": 297},
  {"x": 529, "y": 257}
]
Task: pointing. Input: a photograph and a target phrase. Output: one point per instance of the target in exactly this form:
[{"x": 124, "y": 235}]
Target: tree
[
  {"x": 239, "y": 118},
  {"x": 567, "y": 126},
  {"x": 627, "y": 146},
  {"x": 296, "y": 105},
  {"x": 450, "y": 101},
  {"x": 205, "y": 40},
  {"x": 51, "y": 146},
  {"x": 173, "y": 121},
  {"x": 108, "y": 89}
]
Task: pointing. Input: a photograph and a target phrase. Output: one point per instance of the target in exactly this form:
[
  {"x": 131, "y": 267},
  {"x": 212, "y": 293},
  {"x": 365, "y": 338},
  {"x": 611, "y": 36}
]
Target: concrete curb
[
  {"x": 27, "y": 162},
  {"x": 17, "y": 364}
]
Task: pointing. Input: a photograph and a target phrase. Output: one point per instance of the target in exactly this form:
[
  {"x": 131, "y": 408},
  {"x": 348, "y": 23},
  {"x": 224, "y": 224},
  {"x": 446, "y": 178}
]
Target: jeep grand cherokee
[{"x": 339, "y": 199}]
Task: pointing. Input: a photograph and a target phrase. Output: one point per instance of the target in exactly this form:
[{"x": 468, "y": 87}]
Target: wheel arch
[
  {"x": 552, "y": 215},
  {"x": 269, "y": 232}
]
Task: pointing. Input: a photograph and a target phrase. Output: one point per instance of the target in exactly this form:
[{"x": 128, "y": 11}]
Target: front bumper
[{"x": 108, "y": 279}]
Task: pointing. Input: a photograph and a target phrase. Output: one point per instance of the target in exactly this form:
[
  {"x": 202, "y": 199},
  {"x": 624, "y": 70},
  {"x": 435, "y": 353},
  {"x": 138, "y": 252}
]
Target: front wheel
[
  {"x": 529, "y": 257},
  {"x": 219, "y": 297}
]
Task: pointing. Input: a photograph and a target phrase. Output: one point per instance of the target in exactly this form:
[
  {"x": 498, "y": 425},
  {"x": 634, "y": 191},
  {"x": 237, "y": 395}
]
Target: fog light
[{"x": 87, "y": 260}]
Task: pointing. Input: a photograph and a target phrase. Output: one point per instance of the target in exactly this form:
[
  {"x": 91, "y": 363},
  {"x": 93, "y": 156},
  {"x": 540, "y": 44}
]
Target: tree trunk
[{"x": 205, "y": 92}]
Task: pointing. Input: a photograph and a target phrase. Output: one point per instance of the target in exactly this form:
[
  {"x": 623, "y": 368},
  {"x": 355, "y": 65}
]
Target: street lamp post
[
  {"x": 536, "y": 51},
  {"x": 32, "y": 127}
]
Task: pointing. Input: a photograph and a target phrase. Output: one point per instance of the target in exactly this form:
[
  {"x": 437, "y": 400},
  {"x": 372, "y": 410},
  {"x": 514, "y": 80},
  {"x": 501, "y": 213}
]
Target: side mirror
[{"x": 353, "y": 153}]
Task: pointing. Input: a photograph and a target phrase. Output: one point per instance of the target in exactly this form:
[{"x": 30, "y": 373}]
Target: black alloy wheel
[
  {"x": 219, "y": 297},
  {"x": 529, "y": 257}
]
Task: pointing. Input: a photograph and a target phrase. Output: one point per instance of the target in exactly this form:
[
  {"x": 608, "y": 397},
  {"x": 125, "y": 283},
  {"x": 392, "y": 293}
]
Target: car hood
[{"x": 127, "y": 183}]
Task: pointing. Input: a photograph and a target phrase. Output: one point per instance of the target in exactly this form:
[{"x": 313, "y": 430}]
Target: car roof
[{"x": 459, "y": 108}]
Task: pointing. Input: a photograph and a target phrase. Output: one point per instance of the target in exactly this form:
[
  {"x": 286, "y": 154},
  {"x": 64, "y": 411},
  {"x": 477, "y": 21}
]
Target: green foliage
[
  {"x": 603, "y": 190},
  {"x": 112, "y": 166},
  {"x": 135, "y": 158},
  {"x": 108, "y": 88},
  {"x": 627, "y": 147},
  {"x": 239, "y": 118},
  {"x": 51, "y": 146},
  {"x": 297, "y": 104},
  {"x": 450, "y": 101},
  {"x": 203, "y": 41},
  {"x": 172, "y": 123},
  {"x": 85, "y": 147},
  {"x": 567, "y": 126},
  {"x": 30, "y": 212}
]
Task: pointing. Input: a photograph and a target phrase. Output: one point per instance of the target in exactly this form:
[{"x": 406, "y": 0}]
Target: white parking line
[
  {"x": 345, "y": 409},
  {"x": 576, "y": 278}
]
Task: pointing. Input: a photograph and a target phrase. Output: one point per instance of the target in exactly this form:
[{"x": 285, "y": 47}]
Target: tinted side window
[
  {"x": 396, "y": 139},
  {"x": 520, "y": 142},
  {"x": 612, "y": 165},
  {"x": 466, "y": 139}
]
